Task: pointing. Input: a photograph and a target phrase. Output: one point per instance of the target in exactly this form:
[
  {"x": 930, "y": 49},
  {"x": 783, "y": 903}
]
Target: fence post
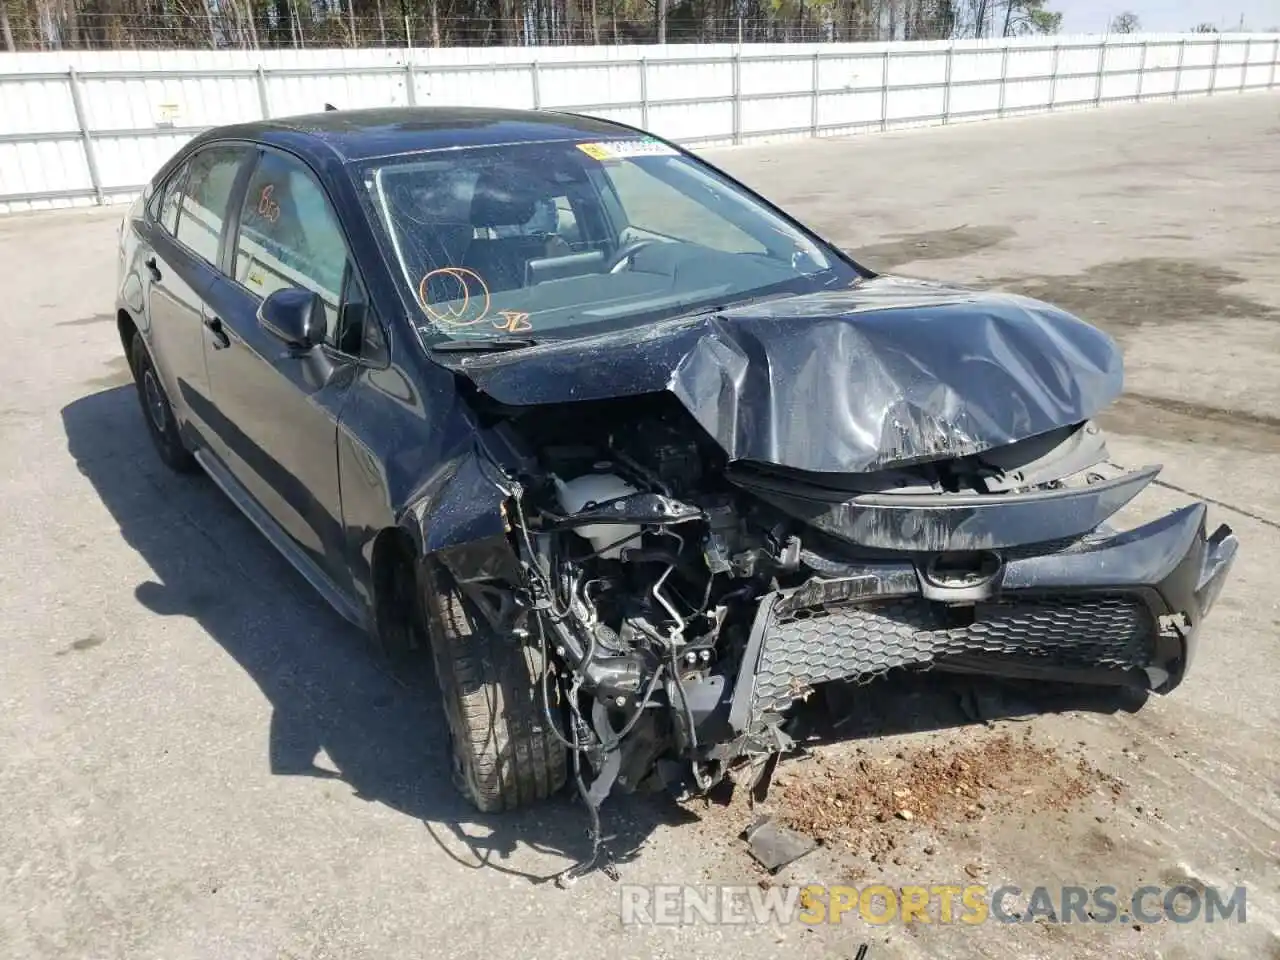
[
  {"x": 644, "y": 93},
  {"x": 1053, "y": 78},
  {"x": 1102, "y": 72},
  {"x": 1142, "y": 70},
  {"x": 737, "y": 96},
  {"x": 813, "y": 118},
  {"x": 1004, "y": 74},
  {"x": 1177, "y": 76},
  {"x": 410, "y": 84},
  {"x": 884, "y": 92},
  {"x": 264, "y": 103},
  {"x": 86, "y": 141},
  {"x": 946, "y": 84},
  {"x": 1244, "y": 67},
  {"x": 537, "y": 92},
  {"x": 1213, "y": 74},
  {"x": 1275, "y": 56}
]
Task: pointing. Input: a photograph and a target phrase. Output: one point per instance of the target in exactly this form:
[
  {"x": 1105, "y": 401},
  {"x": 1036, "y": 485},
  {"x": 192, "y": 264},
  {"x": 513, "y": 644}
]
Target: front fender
[
  {"x": 458, "y": 521},
  {"x": 461, "y": 503}
]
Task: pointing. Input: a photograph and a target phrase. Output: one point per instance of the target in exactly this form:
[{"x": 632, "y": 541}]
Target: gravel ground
[{"x": 199, "y": 760}]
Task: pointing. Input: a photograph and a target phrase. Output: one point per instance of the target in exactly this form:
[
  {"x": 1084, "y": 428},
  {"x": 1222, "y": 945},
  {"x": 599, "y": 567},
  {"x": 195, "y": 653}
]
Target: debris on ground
[
  {"x": 943, "y": 783},
  {"x": 871, "y": 802},
  {"x": 860, "y": 803},
  {"x": 775, "y": 846}
]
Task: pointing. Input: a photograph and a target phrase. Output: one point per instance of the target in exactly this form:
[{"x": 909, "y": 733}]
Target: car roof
[{"x": 385, "y": 131}]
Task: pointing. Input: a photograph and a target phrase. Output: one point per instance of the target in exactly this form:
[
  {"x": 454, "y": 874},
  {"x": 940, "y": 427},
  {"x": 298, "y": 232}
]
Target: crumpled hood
[{"x": 887, "y": 373}]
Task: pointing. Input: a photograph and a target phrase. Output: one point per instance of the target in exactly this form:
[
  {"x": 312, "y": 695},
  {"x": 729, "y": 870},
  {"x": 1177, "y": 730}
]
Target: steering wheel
[{"x": 626, "y": 253}]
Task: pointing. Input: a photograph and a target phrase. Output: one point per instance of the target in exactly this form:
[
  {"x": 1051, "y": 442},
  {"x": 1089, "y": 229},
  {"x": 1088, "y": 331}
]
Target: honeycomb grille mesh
[{"x": 815, "y": 645}]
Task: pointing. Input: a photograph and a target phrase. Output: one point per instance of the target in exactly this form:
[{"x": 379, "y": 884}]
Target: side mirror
[{"x": 295, "y": 316}]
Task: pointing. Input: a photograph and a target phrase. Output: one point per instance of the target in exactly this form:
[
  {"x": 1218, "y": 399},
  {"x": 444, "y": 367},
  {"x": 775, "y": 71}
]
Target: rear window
[
  {"x": 205, "y": 193},
  {"x": 164, "y": 203}
]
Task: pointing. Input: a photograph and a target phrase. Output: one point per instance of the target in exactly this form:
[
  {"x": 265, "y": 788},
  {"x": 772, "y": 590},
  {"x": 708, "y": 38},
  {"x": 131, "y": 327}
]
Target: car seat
[{"x": 507, "y": 198}]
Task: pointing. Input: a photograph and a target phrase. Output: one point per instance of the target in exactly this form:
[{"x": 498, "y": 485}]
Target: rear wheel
[
  {"x": 505, "y": 753},
  {"x": 156, "y": 410}
]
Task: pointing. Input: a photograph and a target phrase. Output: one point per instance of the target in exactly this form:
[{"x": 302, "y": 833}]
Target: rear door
[
  {"x": 278, "y": 407},
  {"x": 185, "y": 242}
]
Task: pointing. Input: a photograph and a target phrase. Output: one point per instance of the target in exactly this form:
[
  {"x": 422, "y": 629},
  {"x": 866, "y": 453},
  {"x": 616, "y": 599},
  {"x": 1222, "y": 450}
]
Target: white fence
[{"x": 83, "y": 128}]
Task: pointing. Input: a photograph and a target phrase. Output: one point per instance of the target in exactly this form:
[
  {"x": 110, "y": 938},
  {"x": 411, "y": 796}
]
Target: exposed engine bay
[
  {"x": 654, "y": 565},
  {"x": 687, "y": 603},
  {"x": 705, "y": 522}
]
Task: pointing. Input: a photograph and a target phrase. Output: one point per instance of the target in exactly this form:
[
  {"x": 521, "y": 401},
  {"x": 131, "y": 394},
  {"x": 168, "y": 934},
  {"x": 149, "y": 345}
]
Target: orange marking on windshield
[
  {"x": 513, "y": 321},
  {"x": 461, "y": 310}
]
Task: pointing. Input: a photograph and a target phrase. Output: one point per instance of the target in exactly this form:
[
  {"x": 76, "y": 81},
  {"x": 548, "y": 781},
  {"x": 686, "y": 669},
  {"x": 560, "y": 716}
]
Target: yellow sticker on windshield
[{"x": 620, "y": 149}]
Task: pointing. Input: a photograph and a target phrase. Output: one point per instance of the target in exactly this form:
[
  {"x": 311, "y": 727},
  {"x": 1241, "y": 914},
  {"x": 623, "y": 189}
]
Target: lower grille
[{"x": 860, "y": 642}]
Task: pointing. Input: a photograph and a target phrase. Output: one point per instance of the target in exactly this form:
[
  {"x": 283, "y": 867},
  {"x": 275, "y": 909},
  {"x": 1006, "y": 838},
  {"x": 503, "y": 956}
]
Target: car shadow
[{"x": 339, "y": 711}]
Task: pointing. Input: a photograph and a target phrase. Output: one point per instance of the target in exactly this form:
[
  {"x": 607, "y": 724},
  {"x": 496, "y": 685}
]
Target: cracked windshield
[{"x": 567, "y": 238}]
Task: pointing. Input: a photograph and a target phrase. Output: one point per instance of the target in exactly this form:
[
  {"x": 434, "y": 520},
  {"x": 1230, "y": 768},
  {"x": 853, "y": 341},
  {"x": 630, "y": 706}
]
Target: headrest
[{"x": 503, "y": 198}]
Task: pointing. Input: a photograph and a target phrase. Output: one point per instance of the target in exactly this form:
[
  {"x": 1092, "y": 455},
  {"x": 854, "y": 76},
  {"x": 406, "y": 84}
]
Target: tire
[
  {"x": 156, "y": 411},
  {"x": 505, "y": 756},
  {"x": 400, "y": 623}
]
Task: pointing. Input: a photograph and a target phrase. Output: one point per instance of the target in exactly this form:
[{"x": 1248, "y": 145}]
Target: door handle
[
  {"x": 153, "y": 268},
  {"x": 220, "y": 338}
]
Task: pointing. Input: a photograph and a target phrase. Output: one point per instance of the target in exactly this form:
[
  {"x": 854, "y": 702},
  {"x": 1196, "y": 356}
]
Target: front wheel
[
  {"x": 506, "y": 755},
  {"x": 156, "y": 410}
]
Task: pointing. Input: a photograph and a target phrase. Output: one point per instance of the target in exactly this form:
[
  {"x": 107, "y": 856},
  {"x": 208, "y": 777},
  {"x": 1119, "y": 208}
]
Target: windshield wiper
[{"x": 484, "y": 344}]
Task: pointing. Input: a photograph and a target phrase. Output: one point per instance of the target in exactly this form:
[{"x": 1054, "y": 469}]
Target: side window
[
  {"x": 289, "y": 236},
  {"x": 567, "y": 222},
  {"x": 170, "y": 198},
  {"x": 655, "y": 207},
  {"x": 205, "y": 195}
]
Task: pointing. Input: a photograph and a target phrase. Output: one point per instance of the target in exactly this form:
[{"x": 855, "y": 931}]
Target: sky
[{"x": 1167, "y": 16}]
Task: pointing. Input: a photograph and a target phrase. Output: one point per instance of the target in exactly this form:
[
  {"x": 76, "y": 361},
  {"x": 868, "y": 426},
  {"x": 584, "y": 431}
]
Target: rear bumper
[{"x": 1120, "y": 608}]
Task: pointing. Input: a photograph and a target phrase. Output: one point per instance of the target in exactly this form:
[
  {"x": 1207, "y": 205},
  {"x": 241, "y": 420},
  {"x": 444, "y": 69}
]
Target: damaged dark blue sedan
[{"x": 640, "y": 459}]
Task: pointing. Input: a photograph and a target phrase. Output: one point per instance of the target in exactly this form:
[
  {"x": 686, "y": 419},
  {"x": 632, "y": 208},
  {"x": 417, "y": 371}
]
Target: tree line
[{"x": 213, "y": 24}]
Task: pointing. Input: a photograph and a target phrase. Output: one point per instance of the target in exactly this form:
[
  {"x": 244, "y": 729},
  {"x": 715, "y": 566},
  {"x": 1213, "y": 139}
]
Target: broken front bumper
[{"x": 1119, "y": 608}]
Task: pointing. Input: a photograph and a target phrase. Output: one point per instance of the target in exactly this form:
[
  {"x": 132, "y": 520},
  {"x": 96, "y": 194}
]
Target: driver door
[{"x": 279, "y": 406}]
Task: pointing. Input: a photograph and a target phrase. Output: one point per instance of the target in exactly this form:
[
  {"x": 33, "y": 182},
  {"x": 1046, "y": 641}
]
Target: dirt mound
[{"x": 858, "y": 804}]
